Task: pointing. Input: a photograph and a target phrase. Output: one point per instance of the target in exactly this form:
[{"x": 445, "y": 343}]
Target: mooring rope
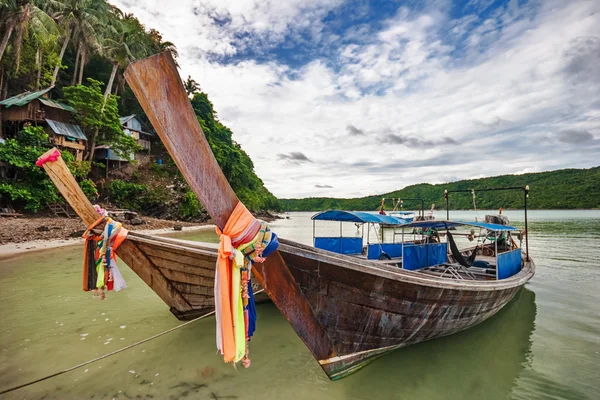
[{"x": 112, "y": 353}]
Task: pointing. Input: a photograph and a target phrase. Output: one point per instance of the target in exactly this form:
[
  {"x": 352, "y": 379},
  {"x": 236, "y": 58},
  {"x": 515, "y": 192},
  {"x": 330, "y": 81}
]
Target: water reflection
[{"x": 482, "y": 362}]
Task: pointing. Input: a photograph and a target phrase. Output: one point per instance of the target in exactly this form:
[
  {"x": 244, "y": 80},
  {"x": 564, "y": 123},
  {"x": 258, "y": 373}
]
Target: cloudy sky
[{"x": 347, "y": 98}]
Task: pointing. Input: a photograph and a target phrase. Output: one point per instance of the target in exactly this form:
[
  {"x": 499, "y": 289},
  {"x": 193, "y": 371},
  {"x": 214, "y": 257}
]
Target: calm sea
[{"x": 544, "y": 344}]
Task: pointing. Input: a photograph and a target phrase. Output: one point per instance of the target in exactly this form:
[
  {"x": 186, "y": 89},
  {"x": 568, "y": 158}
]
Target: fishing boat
[{"x": 348, "y": 311}]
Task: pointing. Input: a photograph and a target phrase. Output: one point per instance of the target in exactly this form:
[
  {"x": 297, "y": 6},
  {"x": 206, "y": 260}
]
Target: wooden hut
[
  {"x": 39, "y": 110},
  {"x": 133, "y": 126}
]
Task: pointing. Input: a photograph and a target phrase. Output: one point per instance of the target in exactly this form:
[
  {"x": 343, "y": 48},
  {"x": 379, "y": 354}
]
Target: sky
[{"x": 350, "y": 98}]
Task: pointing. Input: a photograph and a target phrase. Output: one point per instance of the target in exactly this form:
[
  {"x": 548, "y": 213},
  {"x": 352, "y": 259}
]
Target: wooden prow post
[
  {"x": 159, "y": 89},
  {"x": 69, "y": 188},
  {"x": 128, "y": 251}
]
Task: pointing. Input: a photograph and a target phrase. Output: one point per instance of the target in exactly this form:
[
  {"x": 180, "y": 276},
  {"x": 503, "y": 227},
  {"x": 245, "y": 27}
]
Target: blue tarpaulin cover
[
  {"x": 424, "y": 255},
  {"x": 356, "y": 216},
  {"x": 343, "y": 245},
  {"x": 440, "y": 224},
  {"x": 509, "y": 263},
  {"x": 393, "y": 250}
]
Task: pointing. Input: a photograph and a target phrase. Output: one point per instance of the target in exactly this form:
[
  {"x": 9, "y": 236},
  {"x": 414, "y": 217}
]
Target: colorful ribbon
[
  {"x": 48, "y": 158},
  {"x": 234, "y": 308}
]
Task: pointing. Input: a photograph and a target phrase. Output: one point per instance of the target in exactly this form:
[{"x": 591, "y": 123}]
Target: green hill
[{"x": 561, "y": 189}]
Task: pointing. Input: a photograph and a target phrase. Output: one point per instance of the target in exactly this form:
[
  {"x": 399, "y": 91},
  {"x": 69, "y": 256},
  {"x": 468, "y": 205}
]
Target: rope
[{"x": 112, "y": 353}]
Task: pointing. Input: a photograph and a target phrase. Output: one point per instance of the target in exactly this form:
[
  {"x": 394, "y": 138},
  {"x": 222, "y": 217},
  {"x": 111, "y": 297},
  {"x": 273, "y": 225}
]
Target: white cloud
[{"x": 527, "y": 76}]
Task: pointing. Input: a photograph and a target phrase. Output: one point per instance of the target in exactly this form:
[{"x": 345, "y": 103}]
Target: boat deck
[{"x": 448, "y": 270}]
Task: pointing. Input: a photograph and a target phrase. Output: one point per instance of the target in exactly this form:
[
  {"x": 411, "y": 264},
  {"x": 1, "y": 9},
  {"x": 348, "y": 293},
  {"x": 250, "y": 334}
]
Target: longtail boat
[{"x": 347, "y": 310}]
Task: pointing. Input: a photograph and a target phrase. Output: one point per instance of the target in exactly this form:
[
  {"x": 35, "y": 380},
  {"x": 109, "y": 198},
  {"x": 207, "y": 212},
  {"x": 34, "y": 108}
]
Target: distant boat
[{"x": 347, "y": 310}]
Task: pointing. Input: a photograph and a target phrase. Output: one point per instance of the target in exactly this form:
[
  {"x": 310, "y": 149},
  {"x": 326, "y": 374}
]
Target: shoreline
[{"x": 11, "y": 250}]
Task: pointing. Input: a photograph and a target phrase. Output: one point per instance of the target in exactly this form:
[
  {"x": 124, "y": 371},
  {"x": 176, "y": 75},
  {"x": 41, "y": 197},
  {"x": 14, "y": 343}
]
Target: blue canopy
[
  {"x": 402, "y": 212},
  {"x": 440, "y": 224},
  {"x": 356, "y": 216}
]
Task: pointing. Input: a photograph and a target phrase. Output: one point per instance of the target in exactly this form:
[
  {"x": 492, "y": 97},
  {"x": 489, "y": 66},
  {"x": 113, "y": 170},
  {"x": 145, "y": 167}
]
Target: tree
[
  {"x": 126, "y": 41},
  {"x": 191, "y": 86},
  {"x": 82, "y": 22},
  {"x": 28, "y": 185},
  {"x": 18, "y": 16},
  {"x": 99, "y": 119}
]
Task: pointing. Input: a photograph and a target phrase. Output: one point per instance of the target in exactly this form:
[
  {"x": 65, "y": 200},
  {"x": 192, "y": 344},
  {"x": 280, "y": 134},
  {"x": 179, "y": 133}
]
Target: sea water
[{"x": 544, "y": 344}]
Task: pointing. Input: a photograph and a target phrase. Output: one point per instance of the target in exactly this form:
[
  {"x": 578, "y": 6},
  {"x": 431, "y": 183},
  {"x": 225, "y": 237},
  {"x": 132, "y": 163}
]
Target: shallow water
[{"x": 544, "y": 344}]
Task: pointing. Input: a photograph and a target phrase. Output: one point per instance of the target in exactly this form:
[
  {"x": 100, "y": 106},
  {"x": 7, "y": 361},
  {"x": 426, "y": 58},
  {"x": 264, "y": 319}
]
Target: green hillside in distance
[{"x": 561, "y": 189}]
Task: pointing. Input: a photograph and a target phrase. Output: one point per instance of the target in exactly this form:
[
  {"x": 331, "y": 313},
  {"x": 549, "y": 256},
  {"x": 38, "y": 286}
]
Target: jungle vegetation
[
  {"x": 560, "y": 189},
  {"x": 81, "y": 48}
]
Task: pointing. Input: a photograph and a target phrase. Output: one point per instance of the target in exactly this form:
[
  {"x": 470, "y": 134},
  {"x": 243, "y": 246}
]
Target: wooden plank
[
  {"x": 186, "y": 288},
  {"x": 143, "y": 267},
  {"x": 190, "y": 279},
  {"x": 68, "y": 187},
  {"x": 183, "y": 247},
  {"x": 179, "y": 262}
]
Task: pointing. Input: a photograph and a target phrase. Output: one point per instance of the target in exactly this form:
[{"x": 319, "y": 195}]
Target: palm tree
[
  {"x": 18, "y": 16},
  {"x": 191, "y": 86},
  {"x": 81, "y": 22},
  {"x": 126, "y": 41}
]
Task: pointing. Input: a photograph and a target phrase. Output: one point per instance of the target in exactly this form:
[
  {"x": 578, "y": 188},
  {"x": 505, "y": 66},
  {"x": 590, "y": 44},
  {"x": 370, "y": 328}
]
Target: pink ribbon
[{"x": 50, "y": 157}]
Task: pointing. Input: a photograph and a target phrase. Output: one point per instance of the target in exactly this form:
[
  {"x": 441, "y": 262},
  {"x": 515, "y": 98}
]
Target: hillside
[
  {"x": 87, "y": 77},
  {"x": 561, "y": 189}
]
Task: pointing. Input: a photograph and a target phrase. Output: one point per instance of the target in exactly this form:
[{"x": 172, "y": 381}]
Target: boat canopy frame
[{"x": 525, "y": 190}]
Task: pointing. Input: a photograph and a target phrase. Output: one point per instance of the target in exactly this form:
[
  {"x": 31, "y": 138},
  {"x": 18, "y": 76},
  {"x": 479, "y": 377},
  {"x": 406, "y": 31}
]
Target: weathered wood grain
[
  {"x": 68, "y": 187},
  {"x": 159, "y": 89}
]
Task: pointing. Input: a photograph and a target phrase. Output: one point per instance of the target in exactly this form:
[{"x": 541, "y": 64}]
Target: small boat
[
  {"x": 405, "y": 216},
  {"x": 347, "y": 310}
]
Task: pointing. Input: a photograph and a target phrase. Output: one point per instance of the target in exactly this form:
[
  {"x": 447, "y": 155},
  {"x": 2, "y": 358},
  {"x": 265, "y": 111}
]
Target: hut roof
[{"x": 27, "y": 97}]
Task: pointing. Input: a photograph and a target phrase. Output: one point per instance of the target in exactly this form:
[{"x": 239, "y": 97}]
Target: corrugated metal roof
[
  {"x": 27, "y": 97},
  {"x": 60, "y": 128},
  {"x": 128, "y": 118},
  {"x": 125, "y": 119},
  {"x": 23, "y": 98},
  {"x": 56, "y": 104}
]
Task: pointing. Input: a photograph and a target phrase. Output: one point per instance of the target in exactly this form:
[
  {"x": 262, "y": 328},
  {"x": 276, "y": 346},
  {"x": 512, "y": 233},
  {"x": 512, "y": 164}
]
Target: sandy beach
[{"x": 20, "y": 235}]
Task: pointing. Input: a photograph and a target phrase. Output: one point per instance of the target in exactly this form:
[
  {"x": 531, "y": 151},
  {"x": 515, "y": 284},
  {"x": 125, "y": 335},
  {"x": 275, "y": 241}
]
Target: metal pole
[
  {"x": 447, "y": 209},
  {"x": 402, "y": 248},
  {"x": 314, "y": 239},
  {"x": 341, "y": 236},
  {"x": 496, "y": 244},
  {"x": 526, "y": 191}
]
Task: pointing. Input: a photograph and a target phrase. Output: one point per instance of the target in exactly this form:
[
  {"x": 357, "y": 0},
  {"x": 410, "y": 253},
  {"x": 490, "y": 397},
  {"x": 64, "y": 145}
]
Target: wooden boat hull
[{"x": 369, "y": 314}]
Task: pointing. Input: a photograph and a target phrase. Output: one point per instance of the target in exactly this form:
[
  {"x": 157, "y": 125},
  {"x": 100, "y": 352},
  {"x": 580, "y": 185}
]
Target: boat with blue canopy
[{"x": 426, "y": 246}]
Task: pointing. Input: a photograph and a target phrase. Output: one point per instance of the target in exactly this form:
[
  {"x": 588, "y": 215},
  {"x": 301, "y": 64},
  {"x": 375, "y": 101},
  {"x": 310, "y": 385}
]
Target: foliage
[
  {"x": 30, "y": 189},
  {"x": 99, "y": 120},
  {"x": 561, "y": 189},
  {"x": 234, "y": 162},
  {"x": 127, "y": 194},
  {"x": 189, "y": 207},
  {"x": 89, "y": 189},
  {"x": 79, "y": 169},
  {"x": 64, "y": 42}
]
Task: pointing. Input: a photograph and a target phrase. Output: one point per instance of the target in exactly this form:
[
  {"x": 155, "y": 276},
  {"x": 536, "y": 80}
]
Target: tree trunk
[
  {"x": 92, "y": 144},
  {"x": 81, "y": 65},
  {"x": 38, "y": 59},
  {"x": 18, "y": 48},
  {"x": 110, "y": 81},
  {"x": 60, "y": 57},
  {"x": 5, "y": 39},
  {"x": 76, "y": 65}
]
